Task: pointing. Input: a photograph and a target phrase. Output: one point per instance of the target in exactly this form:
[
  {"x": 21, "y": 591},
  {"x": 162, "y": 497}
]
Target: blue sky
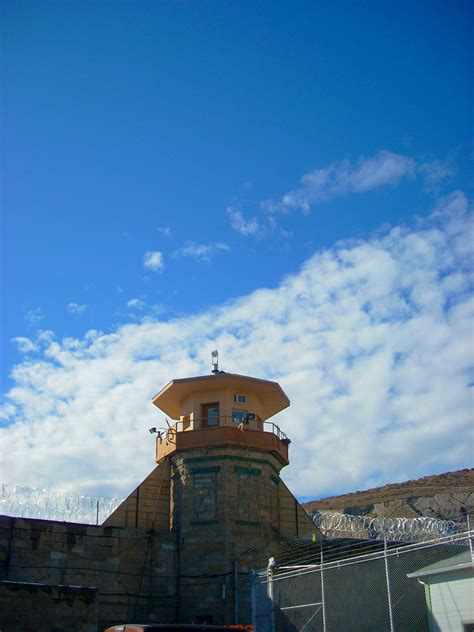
[{"x": 167, "y": 165}]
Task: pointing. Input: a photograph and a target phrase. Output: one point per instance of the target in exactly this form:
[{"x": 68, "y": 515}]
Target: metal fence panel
[
  {"x": 299, "y": 602},
  {"x": 262, "y": 604},
  {"x": 369, "y": 592}
]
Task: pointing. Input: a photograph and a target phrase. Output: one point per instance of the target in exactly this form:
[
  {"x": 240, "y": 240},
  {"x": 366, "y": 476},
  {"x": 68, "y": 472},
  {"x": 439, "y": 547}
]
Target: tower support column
[{"x": 224, "y": 506}]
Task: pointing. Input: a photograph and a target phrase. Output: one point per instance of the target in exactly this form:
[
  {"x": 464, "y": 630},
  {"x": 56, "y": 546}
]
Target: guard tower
[
  {"x": 223, "y": 409},
  {"x": 218, "y": 474}
]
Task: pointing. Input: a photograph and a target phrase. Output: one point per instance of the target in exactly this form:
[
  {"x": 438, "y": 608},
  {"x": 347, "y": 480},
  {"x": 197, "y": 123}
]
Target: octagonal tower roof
[{"x": 271, "y": 394}]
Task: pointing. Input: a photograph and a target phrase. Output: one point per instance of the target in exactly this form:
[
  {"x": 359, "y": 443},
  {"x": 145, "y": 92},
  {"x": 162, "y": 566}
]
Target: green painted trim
[
  {"x": 199, "y": 523},
  {"x": 247, "y": 470},
  {"x": 229, "y": 457},
  {"x": 204, "y": 470},
  {"x": 275, "y": 479},
  {"x": 248, "y": 523}
]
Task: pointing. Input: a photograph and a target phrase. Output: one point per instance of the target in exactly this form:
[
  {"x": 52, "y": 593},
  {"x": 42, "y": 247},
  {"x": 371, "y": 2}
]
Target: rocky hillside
[{"x": 446, "y": 496}]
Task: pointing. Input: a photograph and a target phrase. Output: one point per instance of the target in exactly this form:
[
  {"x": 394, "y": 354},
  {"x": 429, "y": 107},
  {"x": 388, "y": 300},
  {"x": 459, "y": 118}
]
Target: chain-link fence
[{"x": 367, "y": 586}]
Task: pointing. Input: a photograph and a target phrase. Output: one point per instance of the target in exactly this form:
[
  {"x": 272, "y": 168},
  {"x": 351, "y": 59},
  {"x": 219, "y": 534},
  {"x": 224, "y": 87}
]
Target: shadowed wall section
[
  {"x": 292, "y": 516},
  {"x": 148, "y": 506}
]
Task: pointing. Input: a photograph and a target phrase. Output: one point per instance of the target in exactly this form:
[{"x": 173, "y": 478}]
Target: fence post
[
  {"x": 253, "y": 596},
  {"x": 470, "y": 536},
  {"x": 270, "y": 596},
  {"x": 387, "y": 577},
  {"x": 236, "y": 592},
  {"x": 323, "y": 600}
]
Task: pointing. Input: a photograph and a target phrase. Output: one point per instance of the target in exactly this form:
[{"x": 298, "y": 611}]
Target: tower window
[
  {"x": 240, "y": 399},
  {"x": 210, "y": 415}
]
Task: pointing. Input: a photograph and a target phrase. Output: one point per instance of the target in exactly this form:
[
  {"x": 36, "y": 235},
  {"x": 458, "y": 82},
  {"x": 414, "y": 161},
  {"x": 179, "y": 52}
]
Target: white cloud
[
  {"x": 436, "y": 172},
  {"x": 136, "y": 303},
  {"x": 76, "y": 308},
  {"x": 372, "y": 342},
  {"x": 343, "y": 178},
  {"x": 34, "y": 316},
  {"x": 45, "y": 336},
  {"x": 201, "y": 252},
  {"x": 25, "y": 345},
  {"x": 241, "y": 225},
  {"x": 338, "y": 179},
  {"x": 153, "y": 260},
  {"x": 165, "y": 230},
  {"x": 6, "y": 412}
]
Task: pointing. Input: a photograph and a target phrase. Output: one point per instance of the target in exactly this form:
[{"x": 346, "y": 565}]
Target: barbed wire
[
  {"x": 31, "y": 502},
  {"x": 374, "y": 528}
]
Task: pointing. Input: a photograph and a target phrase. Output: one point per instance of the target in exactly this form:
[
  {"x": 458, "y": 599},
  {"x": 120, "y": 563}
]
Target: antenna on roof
[{"x": 215, "y": 362}]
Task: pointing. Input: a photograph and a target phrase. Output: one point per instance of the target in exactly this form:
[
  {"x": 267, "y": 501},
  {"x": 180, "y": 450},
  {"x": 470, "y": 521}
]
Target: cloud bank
[
  {"x": 322, "y": 185},
  {"x": 385, "y": 168},
  {"x": 371, "y": 340}
]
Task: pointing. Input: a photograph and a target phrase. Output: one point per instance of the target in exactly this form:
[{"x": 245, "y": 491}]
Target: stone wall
[
  {"x": 203, "y": 516},
  {"x": 293, "y": 519},
  {"x": 148, "y": 506},
  {"x": 27, "y": 607},
  {"x": 131, "y": 570}
]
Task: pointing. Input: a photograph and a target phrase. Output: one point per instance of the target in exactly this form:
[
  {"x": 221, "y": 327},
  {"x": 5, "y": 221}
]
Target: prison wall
[
  {"x": 48, "y": 607},
  {"x": 104, "y": 575},
  {"x": 293, "y": 519},
  {"x": 148, "y": 506}
]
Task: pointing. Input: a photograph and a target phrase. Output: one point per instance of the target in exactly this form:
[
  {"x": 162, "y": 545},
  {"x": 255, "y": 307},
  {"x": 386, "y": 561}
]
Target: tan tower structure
[{"x": 217, "y": 488}]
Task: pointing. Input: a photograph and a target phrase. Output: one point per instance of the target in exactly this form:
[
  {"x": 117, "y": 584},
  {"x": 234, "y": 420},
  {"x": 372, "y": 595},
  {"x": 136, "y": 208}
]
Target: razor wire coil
[
  {"x": 385, "y": 527},
  {"x": 31, "y": 502}
]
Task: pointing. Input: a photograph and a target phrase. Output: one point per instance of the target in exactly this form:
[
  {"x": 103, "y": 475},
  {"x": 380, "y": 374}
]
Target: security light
[{"x": 153, "y": 430}]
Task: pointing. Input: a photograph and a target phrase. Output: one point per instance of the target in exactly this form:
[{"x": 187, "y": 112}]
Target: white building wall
[{"x": 452, "y": 601}]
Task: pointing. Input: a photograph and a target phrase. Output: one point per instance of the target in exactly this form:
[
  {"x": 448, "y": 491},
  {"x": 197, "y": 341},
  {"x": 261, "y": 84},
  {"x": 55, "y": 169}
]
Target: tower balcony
[{"x": 182, "y": 435}]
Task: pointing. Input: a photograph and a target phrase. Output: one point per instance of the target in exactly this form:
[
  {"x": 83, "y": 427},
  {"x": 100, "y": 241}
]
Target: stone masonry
[
  {"x": 91, "y": 575},
  {"x": 225, "y": 504}
]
